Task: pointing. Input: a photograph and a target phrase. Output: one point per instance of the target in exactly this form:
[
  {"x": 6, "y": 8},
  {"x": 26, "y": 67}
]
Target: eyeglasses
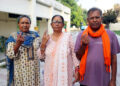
[{"x": 55, "y": 22}]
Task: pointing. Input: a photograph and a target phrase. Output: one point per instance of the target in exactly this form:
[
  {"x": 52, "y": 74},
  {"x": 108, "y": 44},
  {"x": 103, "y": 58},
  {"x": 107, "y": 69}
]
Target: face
[
  {"x": 94, "y": 20},
  {"x": 57, "y": 24},
  {"x": 24, "y": 24}
]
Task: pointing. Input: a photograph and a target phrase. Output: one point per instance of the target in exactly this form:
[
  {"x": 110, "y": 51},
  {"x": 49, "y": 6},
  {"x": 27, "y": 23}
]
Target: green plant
[
  {"x": 3, "y": 66},
  {"x": 2, "y": 43},
  {"x": 110, "y": 16},
  {"x": 117, "y": 32}
]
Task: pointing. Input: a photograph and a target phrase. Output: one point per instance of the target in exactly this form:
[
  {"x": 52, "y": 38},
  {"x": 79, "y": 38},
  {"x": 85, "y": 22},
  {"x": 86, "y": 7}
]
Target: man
[{"x": 96, "y": 48}]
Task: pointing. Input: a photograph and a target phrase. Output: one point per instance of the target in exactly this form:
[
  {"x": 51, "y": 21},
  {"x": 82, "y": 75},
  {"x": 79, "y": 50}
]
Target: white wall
[
  {"x": 44, "y": 9},
  {"x": 43, "y": 27},
  {"x": 6, "y": 28},
  {"x": 7, "y": 25},
  {"x": 115, "y": 26},
  {"x": 15, "y": 6}
]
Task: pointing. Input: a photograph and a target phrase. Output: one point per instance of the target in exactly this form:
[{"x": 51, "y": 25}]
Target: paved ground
[
  {"x": 3, "y": 77},
  {"x": 2, "y": 56},
  {"x": 3, "y": 72}
]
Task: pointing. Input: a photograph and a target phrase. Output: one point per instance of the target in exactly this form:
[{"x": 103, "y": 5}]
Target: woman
[
  {"x": 21, "y": 48},
  {"x": 58, "y": 52}
]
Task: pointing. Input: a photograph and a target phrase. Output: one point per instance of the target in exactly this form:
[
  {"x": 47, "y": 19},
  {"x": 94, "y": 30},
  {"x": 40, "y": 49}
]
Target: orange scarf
[{"x": 106, "y": 49}]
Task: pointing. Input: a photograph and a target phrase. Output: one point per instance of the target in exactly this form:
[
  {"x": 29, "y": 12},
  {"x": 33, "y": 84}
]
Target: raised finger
[
  {"x": 20, "y": 34},
  {"x": 48, "y": 36},
  {"x": 45, "y": 32}
]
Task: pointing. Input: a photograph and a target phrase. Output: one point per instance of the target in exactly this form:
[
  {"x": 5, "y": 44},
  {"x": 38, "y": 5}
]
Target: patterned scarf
[
  {"x": 29, "y": 37},
  {"x": 106, "y": 49}
]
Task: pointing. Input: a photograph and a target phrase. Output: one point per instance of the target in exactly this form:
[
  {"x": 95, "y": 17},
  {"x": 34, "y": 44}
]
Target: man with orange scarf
[{"x": 96, "y": 48}]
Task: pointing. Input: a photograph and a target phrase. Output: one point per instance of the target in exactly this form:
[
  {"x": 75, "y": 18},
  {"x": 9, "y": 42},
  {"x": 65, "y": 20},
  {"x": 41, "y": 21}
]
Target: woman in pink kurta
[{"x": 58, "y": 52}]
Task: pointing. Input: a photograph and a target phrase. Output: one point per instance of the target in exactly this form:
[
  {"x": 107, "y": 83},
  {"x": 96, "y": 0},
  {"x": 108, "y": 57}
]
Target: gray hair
[
  {"x": 18, "y": 20},
  {"x": 94, "y": 9},
  {"x": 59, "y": 16}
]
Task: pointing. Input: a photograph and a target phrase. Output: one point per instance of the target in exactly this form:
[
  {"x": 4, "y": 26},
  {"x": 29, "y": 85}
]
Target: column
[
  {"x": 49, "y": 20},
  {"x": 68, "y": 23},
  {"x": 33, "y": 14}
]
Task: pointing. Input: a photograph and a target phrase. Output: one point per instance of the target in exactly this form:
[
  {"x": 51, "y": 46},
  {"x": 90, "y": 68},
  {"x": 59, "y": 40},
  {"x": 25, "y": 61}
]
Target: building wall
[
  {"x": 15, "y": 6},
  {"x": 7, "y": 25},
  {"x": 118, "y": 18},
  {"x": 43, "y": 27},
  {"x": 115, "y": 26},
  {"x": 43, "y": 9}
]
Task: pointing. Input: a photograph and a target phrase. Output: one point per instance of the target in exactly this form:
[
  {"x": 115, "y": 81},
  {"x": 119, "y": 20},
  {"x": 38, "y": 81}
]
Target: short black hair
[
  {"x": 59, "y": 16},
  {"x": 94, "y": 9},
  {"x": 22, "y": 16}
]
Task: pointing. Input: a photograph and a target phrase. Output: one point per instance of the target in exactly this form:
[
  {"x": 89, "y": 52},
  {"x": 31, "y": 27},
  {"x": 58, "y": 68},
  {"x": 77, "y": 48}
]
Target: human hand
[
  {"x": 85, "y": 39},
  {"x": 45, "y": 38},
  {"x": 20, "y": 39},
  {"x": 112, "y": 83},
  {"x": 77, "y": 77}
]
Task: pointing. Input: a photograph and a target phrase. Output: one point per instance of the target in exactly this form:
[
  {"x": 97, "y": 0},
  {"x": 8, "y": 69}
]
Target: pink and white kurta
[{"x": 59, "y": 58}]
